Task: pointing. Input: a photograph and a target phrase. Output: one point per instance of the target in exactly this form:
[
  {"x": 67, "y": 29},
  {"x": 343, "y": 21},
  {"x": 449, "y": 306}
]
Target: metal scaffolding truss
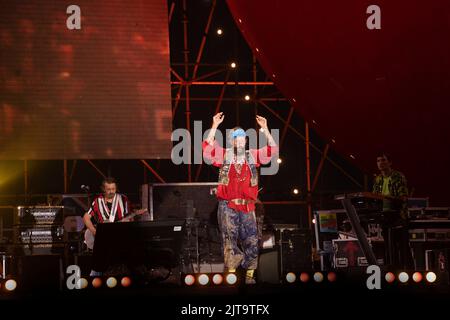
[
  {"x": 183, "y": 84},
  {"x": 220, "y": 83}
]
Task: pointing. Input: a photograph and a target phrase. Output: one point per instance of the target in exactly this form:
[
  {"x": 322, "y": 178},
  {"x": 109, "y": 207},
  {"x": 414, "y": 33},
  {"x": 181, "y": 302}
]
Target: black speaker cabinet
[
  {"x": 438, "y": 260},
  {"x": 40, "y": 272},
  {"x": 295, "y": 250},
  {"x": 268, "y": 267}
]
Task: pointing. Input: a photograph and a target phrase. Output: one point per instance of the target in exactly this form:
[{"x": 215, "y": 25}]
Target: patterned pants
[{"x": 239, "y": 237}]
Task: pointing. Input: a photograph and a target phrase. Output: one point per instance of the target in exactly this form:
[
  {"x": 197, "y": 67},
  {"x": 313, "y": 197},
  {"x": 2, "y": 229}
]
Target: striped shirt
[{"x": 100, "y": 211}]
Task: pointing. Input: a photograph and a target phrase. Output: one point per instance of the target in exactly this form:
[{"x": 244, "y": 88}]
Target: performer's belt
[{"x": 242, "y": 202}]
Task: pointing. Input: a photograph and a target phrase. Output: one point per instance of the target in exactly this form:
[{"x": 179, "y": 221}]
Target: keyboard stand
[{"x": 359, "y": 231}]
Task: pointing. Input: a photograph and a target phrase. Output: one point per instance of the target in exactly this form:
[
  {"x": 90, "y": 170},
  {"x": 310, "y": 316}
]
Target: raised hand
[
  {"x": 262, "y": 122},
  {"x": 218, "y": 119}
]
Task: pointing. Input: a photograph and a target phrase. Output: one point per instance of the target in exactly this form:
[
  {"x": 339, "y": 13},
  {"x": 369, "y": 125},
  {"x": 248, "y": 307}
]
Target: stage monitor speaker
[
  {"x": 181, "y": 201},
  {"x": 42, "y": 273},
  {"x": 295, "y": 249},
  {"x": 148, "y": 243},
  {"x": 268, "y": 267}
]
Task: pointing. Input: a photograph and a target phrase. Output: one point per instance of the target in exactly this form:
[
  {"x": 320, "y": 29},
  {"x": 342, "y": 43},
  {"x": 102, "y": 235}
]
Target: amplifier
[
  {"x": 429, "y": 235},
  {"x": 423, "y": 240},
  {"x": 437, "y": 212},
  {"x": 41, "y": 235},
  {"x": 39, "y": 249},
  {"x": 429, "y": 213},
  {"x": 38, "y": 240},
  {"x": 294, "y": 246},
  {"x": 417, "y": 202},
  {"x": 39, "y": 230},
  {"x": 437, "y": 260},
  {"x": 40, "y": 215}
]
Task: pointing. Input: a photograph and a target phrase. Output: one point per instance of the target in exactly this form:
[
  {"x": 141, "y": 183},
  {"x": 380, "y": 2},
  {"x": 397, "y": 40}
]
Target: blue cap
[{"x": 238, "y": 133}]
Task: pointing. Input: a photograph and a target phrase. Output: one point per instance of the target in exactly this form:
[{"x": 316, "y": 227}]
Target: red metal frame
[
  {"x": 195, "y": 79},
  {"x": 308, "y": 175},
  {"x": 149, "y": 167},
  {"x": 96, "y": 168},
  {"x": 319, "y": 169}
]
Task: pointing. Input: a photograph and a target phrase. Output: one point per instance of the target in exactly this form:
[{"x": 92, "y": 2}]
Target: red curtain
[{"x": 368, "y": 90}]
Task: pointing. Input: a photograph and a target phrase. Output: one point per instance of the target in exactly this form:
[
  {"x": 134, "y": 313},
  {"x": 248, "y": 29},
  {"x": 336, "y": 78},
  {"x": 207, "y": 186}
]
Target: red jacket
[{"x": 239, "y": 186}]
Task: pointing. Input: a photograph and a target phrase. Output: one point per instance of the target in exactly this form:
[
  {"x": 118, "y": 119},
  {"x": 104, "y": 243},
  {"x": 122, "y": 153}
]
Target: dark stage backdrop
[
  {"x": 102, "y": 91},
  {"x": 364, "y": 90}
]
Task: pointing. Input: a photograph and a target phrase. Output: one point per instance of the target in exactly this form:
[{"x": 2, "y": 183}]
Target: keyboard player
[{"x": 392, "y": 185}]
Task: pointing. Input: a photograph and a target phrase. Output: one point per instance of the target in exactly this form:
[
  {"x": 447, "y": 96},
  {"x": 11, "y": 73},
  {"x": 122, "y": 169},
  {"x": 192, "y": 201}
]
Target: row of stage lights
[
  {"x": 417, "y": 277},
  {"x": 291, "y": 277},
  {"x": 231, "y": 279},
  {"x": 110, "y": 282},
  {"x": 402, "y": 277},
  {"x": 204, "y": 279},
  {"x": 10, "y": 285}
]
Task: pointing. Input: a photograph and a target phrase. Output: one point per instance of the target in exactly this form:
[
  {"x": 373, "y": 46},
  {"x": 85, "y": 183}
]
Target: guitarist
[{"x": 107, "y": 207}]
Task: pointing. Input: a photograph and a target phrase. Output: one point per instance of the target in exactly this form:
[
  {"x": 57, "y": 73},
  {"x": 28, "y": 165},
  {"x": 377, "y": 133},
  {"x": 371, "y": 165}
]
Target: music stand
[{"x": 150, "y": 243}]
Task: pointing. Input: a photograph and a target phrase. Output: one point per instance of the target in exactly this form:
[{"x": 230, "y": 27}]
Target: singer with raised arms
[{"x": 237, "y": 193}]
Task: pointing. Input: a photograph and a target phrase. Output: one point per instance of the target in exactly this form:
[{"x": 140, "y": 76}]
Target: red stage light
[
  {"x": 304, "y": 277},
  {"x": 217, "y": 279},
  {"x": 390, "y": 277},
  {"x": 97, "y": 282},
  {"x": 125, "y": 282},
  {"x": 331, "y": 276},
  {"x": 189, "y": 280},
  {"x": 417, "y": 277}
]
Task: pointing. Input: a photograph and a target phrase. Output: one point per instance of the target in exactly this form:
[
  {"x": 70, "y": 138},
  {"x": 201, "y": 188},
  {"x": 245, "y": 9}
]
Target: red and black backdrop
[{"x": 370, "y": 91}]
